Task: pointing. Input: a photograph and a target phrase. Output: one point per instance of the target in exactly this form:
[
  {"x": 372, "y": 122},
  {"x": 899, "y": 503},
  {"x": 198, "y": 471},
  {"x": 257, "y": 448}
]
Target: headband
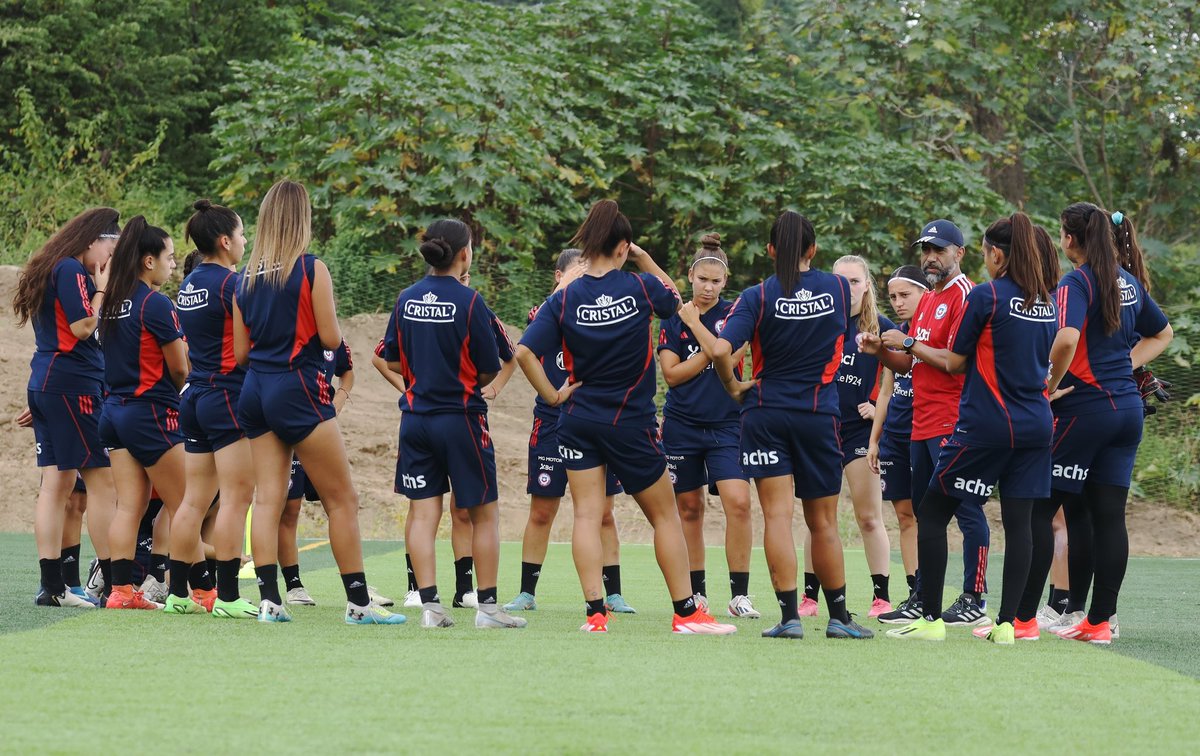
[
  {"x": 702, "y": 259},
  {"x": 898, "y": 276},
  {"x": 992, "y": 243},
  {"x": 109, "y": 236}
]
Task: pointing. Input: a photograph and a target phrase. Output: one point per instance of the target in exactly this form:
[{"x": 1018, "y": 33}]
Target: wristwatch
[{"x": 908, "y": 343}]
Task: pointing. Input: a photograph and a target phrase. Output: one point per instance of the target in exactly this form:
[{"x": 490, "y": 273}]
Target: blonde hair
[
  {"x": 868, "y": 313},
  {"x": 283, "y": 233}
]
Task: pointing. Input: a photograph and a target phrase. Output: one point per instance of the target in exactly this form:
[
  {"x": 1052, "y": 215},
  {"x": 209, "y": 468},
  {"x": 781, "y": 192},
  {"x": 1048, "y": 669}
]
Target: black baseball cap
[{"x": 940, "y": 233}]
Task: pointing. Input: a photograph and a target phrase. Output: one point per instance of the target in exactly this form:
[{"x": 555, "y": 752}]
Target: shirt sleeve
[
  {"x": 668, "y": 336},
  {"x": 74, "y": 288},
  {"x": 1072, "y": 300},
  {"x": 504, "y": 344},
  {"x": 343, "y": 360},
  {"x": 976, "y": 313},
  {"x": 484, "y": 353},
  {"x": 742, "y": 319},
  {"x": 1150, "y": 319},
  {"x": 161, "y": 320},
  {"x": 663, "y": 296},
  {"x": 389, "y": 345},
  {"x": 544, "y": 334}
]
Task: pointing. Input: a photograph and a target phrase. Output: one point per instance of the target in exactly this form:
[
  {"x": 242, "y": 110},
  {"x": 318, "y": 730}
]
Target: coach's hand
[{"x": 893, "y": 339}]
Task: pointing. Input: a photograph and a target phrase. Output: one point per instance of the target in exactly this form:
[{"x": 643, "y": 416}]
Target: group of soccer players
[{"x": 226, "y": 396}]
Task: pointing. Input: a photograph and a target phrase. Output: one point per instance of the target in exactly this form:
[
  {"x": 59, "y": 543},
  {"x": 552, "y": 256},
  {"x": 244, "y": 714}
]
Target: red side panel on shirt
[
  {"x": 985, "y": 364},
  {"x": 66, "y": 337},
  {"x": 150, "y": 362},
  {"x": 306, "y": 319},
  {"x": 468, "y": 376}
]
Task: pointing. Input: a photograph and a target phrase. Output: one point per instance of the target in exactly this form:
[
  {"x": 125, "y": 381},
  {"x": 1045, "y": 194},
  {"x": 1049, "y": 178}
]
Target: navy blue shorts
[
  {"x": 208, "y": 419},
  {"x": 447, "y": 450},
  {"x": 299, "y": 484},
  {"x": 634, "y": 455},
  {"x": 970, "y": 473},
  {"x": 290, "y": 404},
  {"x": 1099, "y": 447},
  {"x": 854, "y": 435},
  {"x": 699, "y": 455},
  {"x": 145, "y": 428},
  {"x": 66, "y": 430},
  {"x": 792, "y": 442},
  {"x": 547, "y": 473},
  {"x": 895, "y": 468}
]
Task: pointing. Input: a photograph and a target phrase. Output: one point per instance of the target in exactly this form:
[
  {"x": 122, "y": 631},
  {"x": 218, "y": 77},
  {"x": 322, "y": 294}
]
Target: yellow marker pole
[{"x": 247, "y": 571}]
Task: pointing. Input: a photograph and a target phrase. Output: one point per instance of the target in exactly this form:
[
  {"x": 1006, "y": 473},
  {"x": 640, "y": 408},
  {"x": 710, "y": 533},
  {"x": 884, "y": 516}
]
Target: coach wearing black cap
[{"x": 936, "y": 394}]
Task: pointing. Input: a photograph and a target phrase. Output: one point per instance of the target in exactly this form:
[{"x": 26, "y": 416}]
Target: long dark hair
[
  {"x": 138, "y": 240},
  {"x": 1051, "y": 272},
  {"x": 791, "y": 236},
  {"x": 442, "y": 240},
  {"x": 70, "y": 240},
  {"x": 209, "y": 223},
  {"x": 1092, "y": 229},
  {"x": 1023, "y": 262},
  {"x": 603, "y": 229},
  {"x": 1129, "y": 252}
]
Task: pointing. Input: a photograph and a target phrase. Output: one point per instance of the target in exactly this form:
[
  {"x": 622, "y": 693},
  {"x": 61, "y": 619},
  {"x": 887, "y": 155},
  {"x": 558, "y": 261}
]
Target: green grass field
[{"x": 105, "y": 682}]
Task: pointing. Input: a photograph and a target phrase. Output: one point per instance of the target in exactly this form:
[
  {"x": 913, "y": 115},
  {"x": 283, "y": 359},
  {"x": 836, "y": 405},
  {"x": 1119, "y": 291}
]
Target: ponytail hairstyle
[
  {"x": 138, "y": 241},
  {"x": 194, "y": 258},
  {"x": 1093, "y": 231},
  {"x": 208, "y": 224},
  {"x": 566, "y": 258},
  {"x": 282, "y": 236},
  {"x": 710, "y": 251},
  {"x": 442, "y": 240},
  {"x": 1022, "y": 259},
  {"x": 603, "y": 229},
  {"x": 72, "y": 239},
  {"x": 791, "y": 236},
  {"x": 1129, "y": 252},
  {"x": 1049, "y": 254},
  {"x": 868, "y": 313}
]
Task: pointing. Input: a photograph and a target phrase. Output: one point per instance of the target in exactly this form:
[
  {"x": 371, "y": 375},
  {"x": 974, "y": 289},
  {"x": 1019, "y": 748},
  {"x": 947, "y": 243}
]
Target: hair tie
[
  {"x": 702, "y": 259},
  {"x": 1117, "y": 217}
]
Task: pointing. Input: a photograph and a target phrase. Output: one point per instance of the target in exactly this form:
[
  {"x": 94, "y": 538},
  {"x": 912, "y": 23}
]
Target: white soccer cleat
[
  {"x": 434, "y": 614},
  {"x": 1047, "y": 616},
  {"x": 740, "y": 606},
  {"x": 412, "y": 599},
  {"x": 154, "y": 589},
  {"x": 1066, "y": 621},
  {"x": 300, "y": 596},
  {"x": 377, "y": 598},
  {"x": 269, "y": 611},
  {"x": 492, "y": 617},
  {"x": 701, "y": 602}
]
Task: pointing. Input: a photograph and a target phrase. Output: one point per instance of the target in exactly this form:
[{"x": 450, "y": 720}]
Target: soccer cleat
[
  {"x": 740, "y": 606},
  {"x": 237, "y": 609},
  {"x": 299, "y": 596},
  {"x": 269, "y": 611},
  {"x": 64, "y": 599},
  {"x": 124, "y": 597},
  {"x": 1003, "y": 634},
  {"x": 372, "y": 614},
  {"x": 808, "y": 607},
  {"x": 469, "y": 600},
  {"x": 154, "y": 589},
  {"x": 908, "y": 611},
  {"x": 850, "y": 630},
  {"x": 81, "y": 593},
  {"x": 615, "y": 602},
  {"x": 95, "y": 580},
  {"x": 1113, "y": 627},
  {"x": 1047, "y": 616},
  {"x": 1026, "y": 631},
  {"x": 879, "y": 606},
  {"x": 177, "y": 605},
  {"x": 378, "y": 599},
  {"x": 524, "y": 602},
  {"x": 1066, "y": 620},
  {"x": 492, "y": 617},
  {"x": 412, "y": 599},
  {"x": 965, "y": 611},
  {"x": 596, "y": 623},
  {"x": 205, "y": 598},
  {"x": 434, "y": 614},
  {"x": 701, "y": 602},
  {"x": 700, "y": 623},
  {"x": 921, "y": 629},
  {"x": 792, "y": 630},
  {"x": 1100, "y": 634}
]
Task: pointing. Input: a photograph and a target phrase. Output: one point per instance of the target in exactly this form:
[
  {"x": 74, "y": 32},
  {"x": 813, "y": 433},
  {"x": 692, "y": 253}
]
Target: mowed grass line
[{"x": 191, "y": 684}]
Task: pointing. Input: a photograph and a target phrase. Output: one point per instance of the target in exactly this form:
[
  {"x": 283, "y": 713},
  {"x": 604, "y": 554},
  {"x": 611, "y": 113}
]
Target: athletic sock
[
  {"x": 106, "y": 573},
  {"x": 612, "y": 578},
  {"x": 212, "y": 572},
  {"x": 429, "y": 595},
  {"x": 179, "y": 578},
  {"x": 158, "y": 567},
  {"x": 787, "y": 604},
  {"x": 52, "y": 580},
  {"x": 487, "y": 596},
  {"x": 291, "y": 576},
  {"x": 880, "y": 585},
  {"x": 462, "y": 577},
  {"x": 530, "y": 572},
  {"x": 1059, "y": 599},
  {"x": 698, "y": 583},
  {"x": 978, "y": 597},
  {"x": 739, "y": 584},
  {"x": 200, "y": 576},
  {"x": 227, "y": 579},
  {"x": 122, "y": 573},
  {"x": 685, "y": 607},
  {"x": 835, "y": 600},
  {"x": 912, "y": 582},
  {"x": 70, "y": 566},
  {"x": 268, "y": 582},
  {"x": 355, "y": 584},
  {"x": 596, "y": 607},
  {"x": 412, "y": 576},
  {"x": 812, "y": 586},
  {"x": 1050, "y": 595}
]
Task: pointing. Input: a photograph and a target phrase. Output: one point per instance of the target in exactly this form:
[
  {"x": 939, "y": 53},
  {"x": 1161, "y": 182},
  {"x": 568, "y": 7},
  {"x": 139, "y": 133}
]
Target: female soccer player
[
  {"x": 602, "y": 322},
  {"x": 858, "y": 383},
  {"x": 145, "y": 365},
  {"x": 217, "y": 454},
  {"x": 1002, "y": 343},
  {"x": 1108, "y": 327},
  {"x": 796, "y": 321},
  {"x": 891, "y": 430},
  {"x": 700, "y": 427},
  {"x": 440, "y": 339},
  {"x": 284, "y": 318},
  {"x": 59, "y": 292},
  {"x": 547, "y": 477}
]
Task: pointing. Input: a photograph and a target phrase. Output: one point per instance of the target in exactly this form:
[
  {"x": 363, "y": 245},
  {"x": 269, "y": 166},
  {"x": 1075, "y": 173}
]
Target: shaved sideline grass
[{"x": 115, "y": 681}]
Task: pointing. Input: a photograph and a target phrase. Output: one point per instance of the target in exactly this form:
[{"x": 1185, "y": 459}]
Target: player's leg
[{"x": 868, "y": 513}]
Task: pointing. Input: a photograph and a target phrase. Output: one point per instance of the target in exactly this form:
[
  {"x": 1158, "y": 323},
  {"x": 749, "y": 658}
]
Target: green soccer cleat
[
  {"x": 178, "y": 605},
  {"x": 615, "y": 602},
  {"x": 524, "y": 602},
  {"x": 237, "y": 609},
  {"x": 922, "y": 629},
  {"x": 1003, "y": 634}
]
